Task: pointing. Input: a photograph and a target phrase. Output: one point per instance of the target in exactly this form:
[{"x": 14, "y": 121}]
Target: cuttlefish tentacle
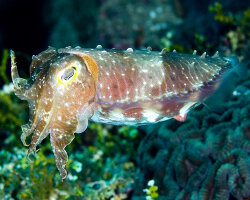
[
  {"x": 42, "y": 129},
  {"x": 26, "y": 132},
  {"x": 37, "y": 137},
  {"x": 28, "y": 129}
]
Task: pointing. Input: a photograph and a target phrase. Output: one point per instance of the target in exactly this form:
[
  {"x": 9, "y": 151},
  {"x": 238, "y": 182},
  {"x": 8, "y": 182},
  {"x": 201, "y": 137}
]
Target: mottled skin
[{"x": 69, "y": 86}]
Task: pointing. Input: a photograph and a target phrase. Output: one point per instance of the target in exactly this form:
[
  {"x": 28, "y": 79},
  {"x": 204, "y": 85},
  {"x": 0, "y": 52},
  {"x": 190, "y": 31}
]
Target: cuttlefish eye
[{"x": 68, "y": 75}]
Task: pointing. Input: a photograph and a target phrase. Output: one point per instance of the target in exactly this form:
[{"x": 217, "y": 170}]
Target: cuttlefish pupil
[
  {"x": 68, "y": 76},
  {"x": 68, "y": 87}
]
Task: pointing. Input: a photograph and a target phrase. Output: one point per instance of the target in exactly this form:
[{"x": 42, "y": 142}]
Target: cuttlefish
[{"x": 70, "y": 86}]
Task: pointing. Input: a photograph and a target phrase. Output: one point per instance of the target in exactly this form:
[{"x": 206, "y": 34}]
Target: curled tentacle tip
[
  {"x": 30, "y": 152},
  {"x": 23, "y": 141},
  {"x": 26, "y": 131},
  {"x": 63, "y": 172},
  {"x": 63, "y": 176}
]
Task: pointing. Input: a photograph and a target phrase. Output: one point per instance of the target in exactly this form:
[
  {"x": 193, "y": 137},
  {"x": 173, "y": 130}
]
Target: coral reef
[{"x": 207, "y": 157}]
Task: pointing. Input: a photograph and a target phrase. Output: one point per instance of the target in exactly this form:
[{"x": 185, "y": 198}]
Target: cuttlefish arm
[
  {"x": 62, "y": 134},
  {"x": 60, "y": 93},
  {"x": 20, "y": 84}
]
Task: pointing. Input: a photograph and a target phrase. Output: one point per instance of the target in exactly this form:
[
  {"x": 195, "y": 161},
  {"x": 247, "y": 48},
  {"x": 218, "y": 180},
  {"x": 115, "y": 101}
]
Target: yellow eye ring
[{"x": 68, "y": 75}]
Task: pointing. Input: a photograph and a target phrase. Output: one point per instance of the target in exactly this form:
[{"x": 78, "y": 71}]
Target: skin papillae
[{"x": 67, "y": 87}]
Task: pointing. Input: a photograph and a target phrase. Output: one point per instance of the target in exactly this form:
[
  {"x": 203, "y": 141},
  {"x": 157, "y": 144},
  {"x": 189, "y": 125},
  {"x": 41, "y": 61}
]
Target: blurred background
[{"x": 206, "y": 157}]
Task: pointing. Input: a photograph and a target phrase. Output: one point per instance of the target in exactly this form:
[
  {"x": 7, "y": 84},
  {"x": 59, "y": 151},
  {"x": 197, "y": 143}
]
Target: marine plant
[
  {"x": 151, "y": 191},
  {"x": 23, "y": 180},
  {"x": 236, "y": 25},
  {"x": 92, "y": 175}
]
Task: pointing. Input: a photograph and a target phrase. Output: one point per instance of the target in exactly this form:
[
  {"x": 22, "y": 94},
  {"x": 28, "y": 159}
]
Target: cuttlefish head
[{"x": 60, "y": 93}]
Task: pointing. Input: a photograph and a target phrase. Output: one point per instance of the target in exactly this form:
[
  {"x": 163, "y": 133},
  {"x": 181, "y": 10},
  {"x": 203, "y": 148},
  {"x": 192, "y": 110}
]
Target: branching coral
[{"x": 207, "y": 157}]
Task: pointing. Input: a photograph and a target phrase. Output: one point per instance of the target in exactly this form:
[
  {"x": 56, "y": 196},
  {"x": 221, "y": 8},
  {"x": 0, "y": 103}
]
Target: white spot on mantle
[{"x": 150, "y": 115}]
